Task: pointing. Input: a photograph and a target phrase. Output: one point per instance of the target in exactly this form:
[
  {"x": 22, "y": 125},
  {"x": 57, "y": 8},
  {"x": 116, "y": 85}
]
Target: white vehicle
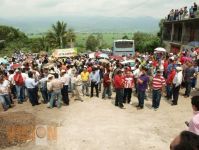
[{"x": 123, "y": 47}]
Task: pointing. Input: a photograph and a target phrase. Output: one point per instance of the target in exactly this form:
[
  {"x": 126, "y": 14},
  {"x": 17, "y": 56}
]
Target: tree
[
  {"x": 145, "y": 42},
  {"x": 59, "y": 36},
  {"x": 70, "y": 36},
  {"x": 159, "y": 34},
  {"x": 91, "y": 43},
  {"x": 10, "y": 34},
  {"x": 100, "y": 39},
  {"x": 125, "y": 37},
  {"x": 11, "y": 39}
]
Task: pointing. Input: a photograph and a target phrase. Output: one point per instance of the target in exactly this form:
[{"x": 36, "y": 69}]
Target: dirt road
[{"x": 97, "y": 124}]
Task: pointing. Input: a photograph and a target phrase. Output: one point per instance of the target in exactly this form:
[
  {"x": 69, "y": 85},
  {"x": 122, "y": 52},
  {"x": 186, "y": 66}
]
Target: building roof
[{"x": 180, "y": 21}]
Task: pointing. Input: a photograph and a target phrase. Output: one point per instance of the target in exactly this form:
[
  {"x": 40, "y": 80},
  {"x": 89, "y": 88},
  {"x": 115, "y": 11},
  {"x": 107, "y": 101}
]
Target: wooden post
[
  {"x": 183, "y": 32},
  {"x": 172, "y": 32}
]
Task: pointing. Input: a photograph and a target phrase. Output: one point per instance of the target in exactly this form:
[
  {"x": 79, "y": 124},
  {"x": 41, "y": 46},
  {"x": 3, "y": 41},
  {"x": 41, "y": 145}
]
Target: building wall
[{"x": 177, "y": 34}]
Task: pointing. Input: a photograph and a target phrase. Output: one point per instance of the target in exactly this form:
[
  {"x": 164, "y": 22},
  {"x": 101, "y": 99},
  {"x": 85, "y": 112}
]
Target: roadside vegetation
[{"x": 60, "y": 36}]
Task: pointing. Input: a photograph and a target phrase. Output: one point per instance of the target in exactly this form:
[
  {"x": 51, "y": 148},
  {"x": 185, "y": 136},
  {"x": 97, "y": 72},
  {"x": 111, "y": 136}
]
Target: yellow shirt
[{"x": 85, "y": 76}]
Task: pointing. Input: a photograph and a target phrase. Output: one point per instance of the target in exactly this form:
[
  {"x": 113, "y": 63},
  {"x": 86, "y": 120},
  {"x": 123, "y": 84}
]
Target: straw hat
[
  {"x": 179, "y": 68},
  {"x": 50, "y": 76},
  {"x": 63, "y": 71},
  {"x": 51, "y": 72}
]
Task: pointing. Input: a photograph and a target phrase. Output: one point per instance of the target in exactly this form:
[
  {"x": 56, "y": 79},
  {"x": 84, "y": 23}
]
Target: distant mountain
[{"x": 85, "y": 24}]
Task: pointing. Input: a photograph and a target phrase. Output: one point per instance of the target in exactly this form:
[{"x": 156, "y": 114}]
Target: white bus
[{"x": 123, "y": 47}]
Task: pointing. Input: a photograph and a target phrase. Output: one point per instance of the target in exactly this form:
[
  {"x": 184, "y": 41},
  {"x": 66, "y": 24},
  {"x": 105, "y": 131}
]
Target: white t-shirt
[
  {"x": 25, "y": 76},
  {"x": 11, "y": 79},
  {"x": 136, "y": 73},
  {"x": 68, "y": 78}
]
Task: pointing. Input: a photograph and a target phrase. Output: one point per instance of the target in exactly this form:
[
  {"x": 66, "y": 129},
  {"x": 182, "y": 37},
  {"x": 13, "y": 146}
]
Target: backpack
[{"x": 18, "y": 79}]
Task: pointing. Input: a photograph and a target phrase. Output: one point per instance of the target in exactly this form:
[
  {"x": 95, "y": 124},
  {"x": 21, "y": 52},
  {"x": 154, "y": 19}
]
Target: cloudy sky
[{"x": 110, "y": 8}]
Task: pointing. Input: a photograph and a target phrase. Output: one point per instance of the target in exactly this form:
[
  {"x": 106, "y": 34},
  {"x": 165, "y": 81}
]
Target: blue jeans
[
  {"x": 49, "y": 95},
  {"x": 141, "y": 96},
  {"x": 56, "y": 95},
  {"x": 20, "y": 93},
  {"x": 156, "y": 98},
  {"x": 5, "y": 101},
  {"x": 85, "y": 85},
  {"x": 194, "y": 82},
  {"x": 107, "y": 90},
  {"x": 188, "y": 87},
  {"x": 23, "y": 92},
  {"x": 169, "y": 91},
  {"x": 44, "y": 93}
]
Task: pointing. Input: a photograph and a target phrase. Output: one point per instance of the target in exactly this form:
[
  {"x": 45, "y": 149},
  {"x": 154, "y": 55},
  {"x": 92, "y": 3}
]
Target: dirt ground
[{"x": 97, "y": 124}]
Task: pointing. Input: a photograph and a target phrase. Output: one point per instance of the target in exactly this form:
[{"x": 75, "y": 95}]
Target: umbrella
[
  {"x": 131, "y": 62},
  {"x": 194, "y": 44},
  {"x": 104, "y": 61},
  {"x": 49, "y": 65},
  {"x": 120, "y": 58},
  {"x": 3, "y": 61},
  {"x": 188, "y": 59},
  {"x": 15, "y": 66},
  {"x": 128, "y": 61},
  {"x": 91, "y": 55},
  {"x": 160, "y": 49},
  {"x": 103, "y": 56},
  {"x": 97, "y": 54}
]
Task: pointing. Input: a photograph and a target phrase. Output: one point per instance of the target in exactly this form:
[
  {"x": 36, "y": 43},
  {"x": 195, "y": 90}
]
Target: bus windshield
[
  {"x": 124, "y": 44},
  {"x": 123, "y": 47}
]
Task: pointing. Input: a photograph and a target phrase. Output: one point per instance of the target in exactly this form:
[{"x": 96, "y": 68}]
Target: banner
[{"x": 61, "y": 53}]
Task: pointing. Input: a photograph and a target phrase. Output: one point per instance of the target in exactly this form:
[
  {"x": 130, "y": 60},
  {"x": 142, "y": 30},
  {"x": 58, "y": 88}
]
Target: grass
[
  {"x": 107, "y": 37},
  {"x": 81, "y": 38}
]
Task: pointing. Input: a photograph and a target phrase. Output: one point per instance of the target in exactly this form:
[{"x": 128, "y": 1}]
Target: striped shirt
[
  {"x": 128, "y": 82},
  {"x": 158, "y": 82}
]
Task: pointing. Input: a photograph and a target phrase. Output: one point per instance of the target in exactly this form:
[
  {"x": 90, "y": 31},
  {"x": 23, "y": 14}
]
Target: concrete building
[{"x": 177, "y": 34}]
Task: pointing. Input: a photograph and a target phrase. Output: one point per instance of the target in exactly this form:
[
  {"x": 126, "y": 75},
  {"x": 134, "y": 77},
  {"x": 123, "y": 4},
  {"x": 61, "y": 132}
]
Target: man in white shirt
[
  {"x": 176, "y": 85},
  {"x": 65, "y": 78},
  {"x": 136, "y": 75},
  {"x": 31, "y": 87},
  {"x": 12, "y": 83},
  {"x": 25, "y": 76},
  {"x": 4, "y": 93}
]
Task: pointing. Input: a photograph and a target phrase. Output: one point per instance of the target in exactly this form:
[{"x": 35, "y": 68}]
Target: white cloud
[{"x": 126, "y": 8}]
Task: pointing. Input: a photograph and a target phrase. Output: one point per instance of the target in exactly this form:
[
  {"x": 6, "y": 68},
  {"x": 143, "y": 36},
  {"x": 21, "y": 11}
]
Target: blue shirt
[
  {"x": 169, "y": 68},
  {"x": 95, "y": 77},
  {"x": 30, "y": 83}
]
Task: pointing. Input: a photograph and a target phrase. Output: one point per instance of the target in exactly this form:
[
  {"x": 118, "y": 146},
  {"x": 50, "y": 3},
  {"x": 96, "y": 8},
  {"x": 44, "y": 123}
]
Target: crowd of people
[
  {"x": 183, "y": 13},
  {"x": 49, "y": 80}
]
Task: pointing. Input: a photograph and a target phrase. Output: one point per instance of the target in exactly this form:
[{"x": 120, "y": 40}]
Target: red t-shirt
[
  {"x": 166, "y": 63},
  {"x": 119, "y": 81},
  {"x": 171, "y": 77},
  {"x": 155, "y": 63},
  {"x": 106, "y": 80}
]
